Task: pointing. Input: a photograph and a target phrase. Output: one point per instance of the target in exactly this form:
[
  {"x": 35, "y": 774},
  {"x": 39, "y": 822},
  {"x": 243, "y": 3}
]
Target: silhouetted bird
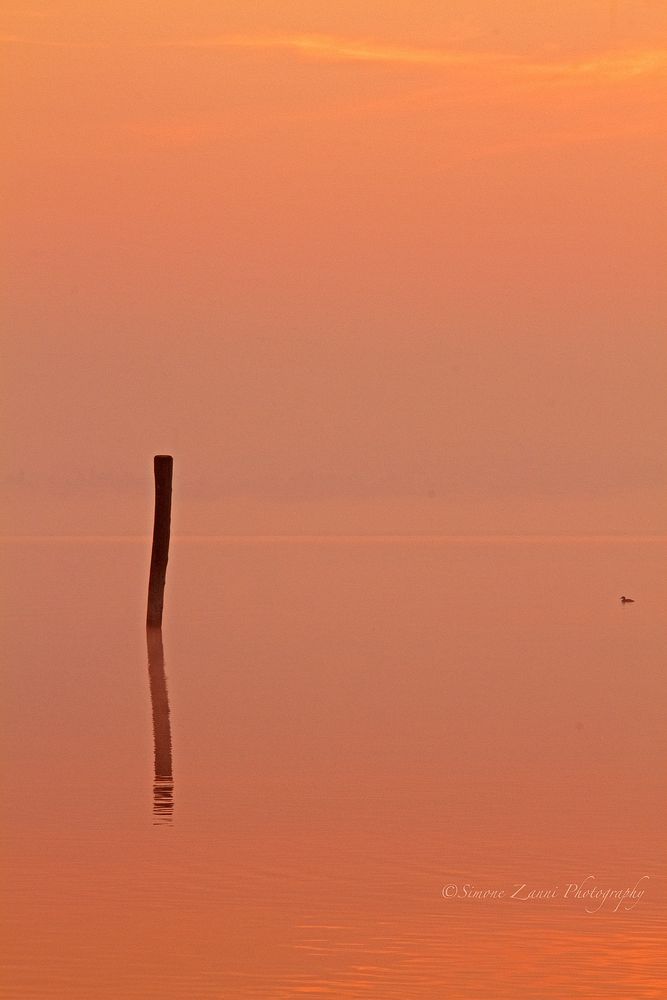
[{"x": 627, "y": 600}]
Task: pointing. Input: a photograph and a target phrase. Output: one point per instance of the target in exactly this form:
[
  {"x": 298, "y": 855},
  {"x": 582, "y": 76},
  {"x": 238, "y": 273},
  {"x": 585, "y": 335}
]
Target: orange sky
[{"x": 357, "y": 266}]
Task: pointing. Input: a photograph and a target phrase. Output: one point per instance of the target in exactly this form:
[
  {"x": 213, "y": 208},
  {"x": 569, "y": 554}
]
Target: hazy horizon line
[{"x": 380, "y": 536}]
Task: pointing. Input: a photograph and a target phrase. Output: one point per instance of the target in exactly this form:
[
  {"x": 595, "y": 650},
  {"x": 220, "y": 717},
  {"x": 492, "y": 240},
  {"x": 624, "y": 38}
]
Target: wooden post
[{"x": 163, "y": 467}]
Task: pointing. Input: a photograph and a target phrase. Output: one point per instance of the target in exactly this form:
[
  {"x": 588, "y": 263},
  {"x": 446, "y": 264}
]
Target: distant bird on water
[{"x": 627, "y": 600}]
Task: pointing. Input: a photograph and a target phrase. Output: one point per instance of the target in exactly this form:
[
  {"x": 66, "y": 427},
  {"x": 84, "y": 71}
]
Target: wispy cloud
[
  {"x": 331, "y": 47},
  {"x": 606, "y": 66},
  {"x": 616, "y": 65}
]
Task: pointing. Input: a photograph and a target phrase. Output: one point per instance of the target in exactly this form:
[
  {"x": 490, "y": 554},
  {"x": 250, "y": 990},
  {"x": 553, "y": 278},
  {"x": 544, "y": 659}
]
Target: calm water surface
[{"x": 269, "y": 800}]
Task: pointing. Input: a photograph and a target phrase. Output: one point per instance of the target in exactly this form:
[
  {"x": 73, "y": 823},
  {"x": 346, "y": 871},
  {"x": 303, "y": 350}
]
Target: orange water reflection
[{"x": 358, "y": 725}]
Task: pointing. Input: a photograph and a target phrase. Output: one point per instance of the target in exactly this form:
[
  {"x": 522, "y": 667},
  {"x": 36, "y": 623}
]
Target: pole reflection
[{"x": 163, "y": 785}]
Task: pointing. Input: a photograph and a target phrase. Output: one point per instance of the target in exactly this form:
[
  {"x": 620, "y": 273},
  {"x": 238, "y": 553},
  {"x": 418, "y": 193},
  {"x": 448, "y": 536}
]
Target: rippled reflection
[
  {"x": 163, "y": 787},
  {"x": 366, "y": 722}
]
